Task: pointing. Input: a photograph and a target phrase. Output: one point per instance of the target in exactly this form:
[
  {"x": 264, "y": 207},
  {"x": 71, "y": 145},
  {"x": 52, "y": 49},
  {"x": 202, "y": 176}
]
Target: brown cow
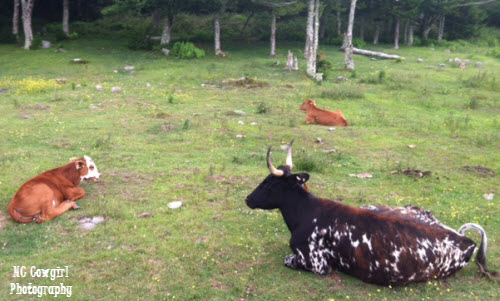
[
  {"x": 53, "y": 192},
  {"x": 315, "y": 115}
]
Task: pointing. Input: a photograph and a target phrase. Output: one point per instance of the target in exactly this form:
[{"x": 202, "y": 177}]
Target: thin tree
[
  {"x": 349, "y": 55},
  {"x": 312, "y": 33},
  {"x": 15, "y": 19},
  {"x": 65, "y": 20},
  {"x": 27, "y": 12}
]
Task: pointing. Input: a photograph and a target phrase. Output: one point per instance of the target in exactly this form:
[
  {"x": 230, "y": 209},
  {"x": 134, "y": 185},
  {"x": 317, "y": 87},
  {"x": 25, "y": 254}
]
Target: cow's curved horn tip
[{"x": 291, "y": 143}]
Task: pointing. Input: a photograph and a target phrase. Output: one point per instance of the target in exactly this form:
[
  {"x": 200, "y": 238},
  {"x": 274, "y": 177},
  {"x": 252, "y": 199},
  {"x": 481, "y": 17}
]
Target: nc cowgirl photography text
[{"x": 33, "y": 272}]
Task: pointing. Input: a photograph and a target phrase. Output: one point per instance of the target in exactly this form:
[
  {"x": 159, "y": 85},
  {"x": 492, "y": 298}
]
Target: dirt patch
[
  {"x": 413, "y": 173},
  {"x": 3, "y": 220},
  {"x": 244, "y": 82},
  {"x": 336, "y": 283},
  {"x": 219, "y": 285},
  {"x": 2, "y": 90},
  {"x": 38, "y": 106},
  {"x": 480, "y": 169}
]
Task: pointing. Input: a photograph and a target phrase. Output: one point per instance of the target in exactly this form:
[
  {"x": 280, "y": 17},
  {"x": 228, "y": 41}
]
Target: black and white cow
[{"x": 380, "y": 245}]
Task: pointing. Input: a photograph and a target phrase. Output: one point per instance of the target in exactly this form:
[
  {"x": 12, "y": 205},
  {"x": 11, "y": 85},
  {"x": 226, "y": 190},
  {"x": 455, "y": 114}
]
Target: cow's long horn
[
  {"x": 289, "y": 155},
  {"x": 271, "y": 167}
]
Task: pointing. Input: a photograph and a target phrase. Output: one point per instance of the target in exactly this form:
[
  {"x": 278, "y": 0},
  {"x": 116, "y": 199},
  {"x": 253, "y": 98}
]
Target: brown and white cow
[
  {"x": 314, "y": 115},
  {"x": 52, "y": 192},
  {"x": 380, "y": 245}
]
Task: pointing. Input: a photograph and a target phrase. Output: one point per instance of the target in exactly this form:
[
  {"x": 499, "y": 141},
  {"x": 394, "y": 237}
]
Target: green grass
[{"x": 176, "y": 141}]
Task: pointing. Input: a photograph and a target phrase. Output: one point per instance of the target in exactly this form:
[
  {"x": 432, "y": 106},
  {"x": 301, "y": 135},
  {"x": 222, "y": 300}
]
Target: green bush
[
  {"x": 187, "y": 50},
  {"x": 37, "y": 43},
  {"x": 358, "y": 43},
  {"x": 140, "y": 38},
  {"x": 335, "y": 41},
  {"x": 6, "y": 36}
]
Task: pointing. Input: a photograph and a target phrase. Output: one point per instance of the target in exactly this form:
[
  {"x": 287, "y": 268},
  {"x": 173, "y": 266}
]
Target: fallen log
[{"x": 375, "y": 54}]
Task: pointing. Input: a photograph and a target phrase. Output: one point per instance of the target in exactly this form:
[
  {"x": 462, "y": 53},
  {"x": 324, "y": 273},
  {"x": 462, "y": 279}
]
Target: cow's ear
[
  {"x": 79, "y": 164},
  {"x": 301, "y": 178}
]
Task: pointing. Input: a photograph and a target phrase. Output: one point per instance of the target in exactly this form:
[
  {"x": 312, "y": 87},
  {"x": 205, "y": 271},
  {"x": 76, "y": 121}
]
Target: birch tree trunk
[
  {"x": 441, "y": 29},
  {"x": 396, "y": 34},
  {"x": 15, "y": 19},
  {"x": 312, "y": 33},
  {"x": 309, "y": 30},
  {"x": 349, "y": 56},
  {"x": 410, "y": 33},
  {"x": 27, "y": 12},
  {"x": 376, "y": 34},
  {"x": 362, "y": 30},
  {"x": 167, "y": 29},
  {"x": 273, "y": 33},
  {"x": 65, "y": 20},
  {"x": 405, "y": 31},
  {"x": 218, "y": 50},
  {"x": 339, "y": 24}
]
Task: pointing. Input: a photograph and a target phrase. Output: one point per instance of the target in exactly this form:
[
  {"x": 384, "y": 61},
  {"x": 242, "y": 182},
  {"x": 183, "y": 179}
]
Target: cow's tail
[
  {"x": 481, "y": 254},
  {"x": 18, "y": 217}
]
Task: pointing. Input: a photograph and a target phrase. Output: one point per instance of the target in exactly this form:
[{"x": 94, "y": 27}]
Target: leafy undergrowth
[{"x": 168, "y": 136}]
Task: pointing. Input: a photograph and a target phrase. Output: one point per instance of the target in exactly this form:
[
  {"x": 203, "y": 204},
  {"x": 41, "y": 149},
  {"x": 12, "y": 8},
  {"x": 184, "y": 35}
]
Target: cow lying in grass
[
  {"x": 380, "y": 245},
  {"x": 53, "y": 192},
  {"x": 314, "y": 115}
]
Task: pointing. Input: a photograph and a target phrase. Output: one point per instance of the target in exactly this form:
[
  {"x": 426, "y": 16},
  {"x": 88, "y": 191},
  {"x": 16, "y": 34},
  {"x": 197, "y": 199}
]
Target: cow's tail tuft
[{"x": 481, "y": 254}]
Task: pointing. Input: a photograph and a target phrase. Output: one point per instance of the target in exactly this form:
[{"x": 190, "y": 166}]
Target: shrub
[
  {"x": 335, "y": 41},
  {"x": 186, "y": 50},
  {"x": 358, "y": 43},
  {"x": 140, "y": 39},
  {"x": 263, "y": 108},
  {"x": 6, "y": 36},
  {"x": 36, "y": 44},
  {"x": 323, "y": 66}
]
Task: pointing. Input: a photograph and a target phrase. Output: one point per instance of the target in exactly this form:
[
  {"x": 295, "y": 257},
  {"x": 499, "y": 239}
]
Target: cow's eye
[{"x": 91, "y": 167}]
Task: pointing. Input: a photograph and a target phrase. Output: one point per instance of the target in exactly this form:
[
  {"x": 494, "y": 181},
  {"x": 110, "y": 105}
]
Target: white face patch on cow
[{"x": 92, "y": 169}]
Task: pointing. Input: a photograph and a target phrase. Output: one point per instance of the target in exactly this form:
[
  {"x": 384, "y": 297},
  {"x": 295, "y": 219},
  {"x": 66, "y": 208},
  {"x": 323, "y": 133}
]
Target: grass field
[{"x": 177, "y": 141}]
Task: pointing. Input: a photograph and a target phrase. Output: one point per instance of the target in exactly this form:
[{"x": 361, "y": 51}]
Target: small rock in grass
[
  {"x": 174, "y": 205},
  {"x": 78, "y": 86},
  {"x": 98, "y": 87},
  {"x": 61, "y": 81},
  {"x": 431, "y": 67},
  {"x": 84, "y": 220},
  {"x": 239, "y": 136},
  {"x": 331, "y": 129},
  {"x": 203, "y": 85},
  {"x": 488, "y": 196},
  {"x": 88, "y": 226},
  {"x": 441, "y": 65},
  {"x": 462, "y": 65},
  {"x": 420, "y": 60},
  {"x": 93, "y": 107},
  {"x": 144, "y": 214},
  {"x": 329, "y": 151},
  {"x": 45, "y": 44},
  {"x": 241, "y": 122},
  {"x": 412, "y": 146},
  {"x": 98, "y": 219},
  {"x": 447, "y": 50},
  {"x": 253, "y": 123},
  {"x": 128, "y": 68},
  {"x": 148, "y": 85},
  {"x": 238, "y": 112},
  {"x": 319, "y": 140},
  {"x": 373, "y": 58},
  {"x": 341, "y": 79},
  {"x": 165, "y": 51},
  {"x": 479, "y": 65},
  {"x": 116, "y": 89}
]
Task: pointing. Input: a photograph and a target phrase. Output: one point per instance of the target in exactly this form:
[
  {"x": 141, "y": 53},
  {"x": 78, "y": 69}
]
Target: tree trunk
[
  {"x": 376, "y": 34},
  {"x": 167, "y": 29},
  {"x": 426, "y": 32},
  {"x": 15, "y": 19},
  {"x": 339, "y": 24},
  {"x": 27, "y": 12},
  {"x": 273, "y": 33},
  {"x": 218, "y": 50},
  {"x": 309, "y": 30},
  {"x": 405, "y": 31},
  {"x": 410, "y": 33},
  {"x": 65, "y": 20},
  {"x": 349, "y": 56},
  {"x": 312, "y": 32},
  {"x": 396, "y": 34},
  {"x": 289, "y": 61},
  {"x": 362, "y": 30},
  {"x": 441, "y": 29},
  {"x": 322, "y": 26},
  {"x": 374, "y": 53}
]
